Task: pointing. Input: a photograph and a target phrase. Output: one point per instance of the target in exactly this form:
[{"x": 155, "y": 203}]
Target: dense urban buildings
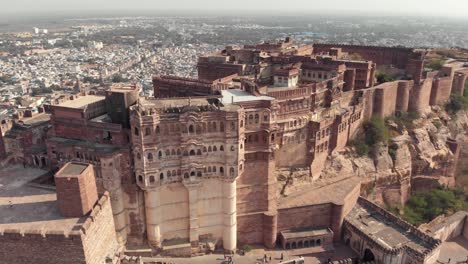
[{"x": 197, "y": 167}]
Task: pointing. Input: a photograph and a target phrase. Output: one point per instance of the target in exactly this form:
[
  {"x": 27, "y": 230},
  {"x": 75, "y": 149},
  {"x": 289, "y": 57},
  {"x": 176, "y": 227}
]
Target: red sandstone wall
[
  {"x": 54, "y": 248},
  {"x": 441, "y": 90},
  {"x": 403, "y": 94},
  {"x": 420, "y": 96},
  {"x": 100, "y": 240},
  {"x": 385, "y": 98},
  {"x": 317, "y": 216},
  {"x": 380, "y": 55},
  {"x": 250, "y": 228},
  {"x": 256, "y": 186}
]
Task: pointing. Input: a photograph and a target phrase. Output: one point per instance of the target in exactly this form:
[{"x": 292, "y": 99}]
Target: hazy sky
[{"x": 420, "y": 7}]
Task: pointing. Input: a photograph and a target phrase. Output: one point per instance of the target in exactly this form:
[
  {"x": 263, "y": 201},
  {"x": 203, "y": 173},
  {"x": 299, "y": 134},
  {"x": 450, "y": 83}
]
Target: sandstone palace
[{"x": 197, "y": 167}]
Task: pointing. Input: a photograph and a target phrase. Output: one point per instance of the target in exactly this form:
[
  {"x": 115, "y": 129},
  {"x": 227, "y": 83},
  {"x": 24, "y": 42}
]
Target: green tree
[
  {"x": 383, "y": 77},
  {"x": 376, "y": 131}
]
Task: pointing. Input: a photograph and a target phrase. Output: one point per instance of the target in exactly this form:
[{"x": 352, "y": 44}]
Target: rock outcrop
[{"x": 416, "y": 158}]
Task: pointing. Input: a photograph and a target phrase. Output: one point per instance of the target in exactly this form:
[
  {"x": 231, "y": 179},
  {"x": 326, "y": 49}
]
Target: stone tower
[{"x": 76, "y": 189}]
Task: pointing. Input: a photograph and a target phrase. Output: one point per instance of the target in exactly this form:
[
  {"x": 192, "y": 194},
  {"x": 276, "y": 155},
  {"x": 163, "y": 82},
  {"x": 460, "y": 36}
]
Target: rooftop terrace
[
  {"x": 82, "y": 101},
  {"x": 386, "y": 229},
  {"x": 26, "y": 208}
]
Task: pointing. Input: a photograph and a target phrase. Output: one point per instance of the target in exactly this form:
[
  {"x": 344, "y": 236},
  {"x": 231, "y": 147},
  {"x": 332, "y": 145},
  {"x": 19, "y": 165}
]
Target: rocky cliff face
[{"x": 415, "y": 159}]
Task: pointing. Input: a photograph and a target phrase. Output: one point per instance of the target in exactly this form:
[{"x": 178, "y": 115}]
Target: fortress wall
[
  {"x": 459, "y": 81},
  {"x": 33, "y": 246},
  {"x": 380, "y": 55},
  {"x": 402, "y": 100},
  {"x": 340, "y": 211},
  {"x": 368, "y": 103},
  {"x": 420, "y": 96},
  {"x": 250, "y": 228},
  {"x": 253, "y": 186},
  {"x": 314, "y": 216},
  {"x": 385, "y": 98},
  {"x": 92, "y": 243},
  {"x": 451, "y": 227},
  {"x": 441, "y": 90},
  {"x": 415, "y": 69},
  {"x": 134, "y": 206},
  {"x": 100, "y": 239}
]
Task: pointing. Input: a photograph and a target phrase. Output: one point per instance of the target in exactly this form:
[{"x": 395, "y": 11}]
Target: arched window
[
  {"x": 186, "y": 175},
  {"x": 192, "y": 152},
  {"x": 221, "y": 170},
  {"x": 221, "y": 126},
  {"x": 198, "y": 152},
  {"x": 136, "y": 131},
  {"x": 231, "y": 171},
  {"x": 233, "y": 126},
  {"x": 140, "y": 178},
  {"x": 256, "y": 118},
  {"x": 192, "y": 173},
  {"x": 190, "y": 129},
  {"x": 158, "y": 130},
  {"x": 204, "y": 149},
  {"x": 150, "y": 156},
  {"x": 161, "y": 176},
  {"x": 152, "y": 179},
  {"x": 173, "y": 152},
  {"x": 199, "y": 173},
  {"x": 209, "y": 169},
  {"x": 159, "y": 154},
  {"x": 214, "y": 168},
  {"x": 209, "y": 149},
  {"x": 272, "y": 137},
  {"x": 168, "y": 153},
  {"x": 250, "y": 119},
  {"x": 138, "y": 155},
  {"x": 168, "y": 174},
  {"x": 221, "y": 148},
  {"x": 215, "y": 148},
  {"x": 147, "y": 131}
]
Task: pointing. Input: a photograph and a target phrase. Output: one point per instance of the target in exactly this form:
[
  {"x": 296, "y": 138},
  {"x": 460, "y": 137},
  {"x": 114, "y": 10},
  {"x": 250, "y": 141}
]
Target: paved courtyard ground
[
  {"x": 456, "y": 250},
  {"x": 256, "y": 256}
]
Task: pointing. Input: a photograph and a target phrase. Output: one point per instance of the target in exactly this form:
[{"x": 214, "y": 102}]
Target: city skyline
[{"x": 452, "y": 8}]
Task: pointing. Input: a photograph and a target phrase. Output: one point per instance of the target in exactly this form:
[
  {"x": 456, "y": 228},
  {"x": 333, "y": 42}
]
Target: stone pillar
[
  {"x": 270, "y": 229},
  {"x": 193, "y": 188},
  {"x": 337, "y": 221},
  {"x": 458, "y": 84},
  {"x": 111, "y": 180},
  {"x": 350, "y": 79},
  {"x": 230, "y": 215},
  {"x": 403, "y": 96},
  {"x": 153, "y": 217}
]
